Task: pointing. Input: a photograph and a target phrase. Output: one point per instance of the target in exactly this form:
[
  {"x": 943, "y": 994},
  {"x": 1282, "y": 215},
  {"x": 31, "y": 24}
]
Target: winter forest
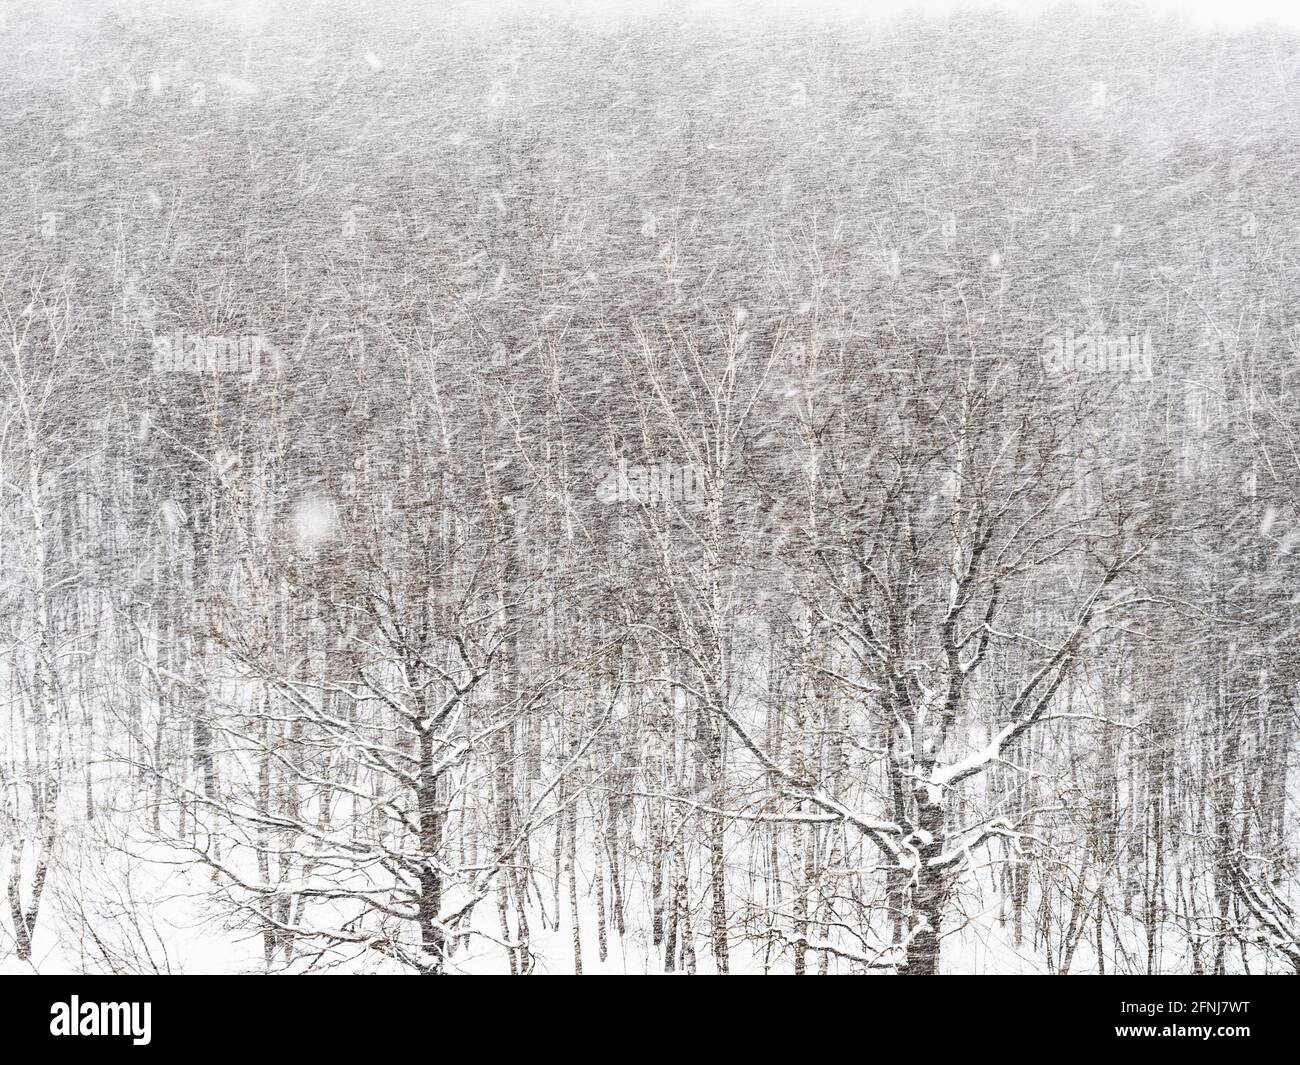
[{"x": 554, "y": 488}]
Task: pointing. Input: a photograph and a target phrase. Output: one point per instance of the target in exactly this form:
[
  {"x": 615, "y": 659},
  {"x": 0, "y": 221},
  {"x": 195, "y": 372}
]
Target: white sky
[{"x": 1230, "y": 14}]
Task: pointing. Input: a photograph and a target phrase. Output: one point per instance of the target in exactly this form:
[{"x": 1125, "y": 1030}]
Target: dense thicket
[{"x": 653, "y": 537}]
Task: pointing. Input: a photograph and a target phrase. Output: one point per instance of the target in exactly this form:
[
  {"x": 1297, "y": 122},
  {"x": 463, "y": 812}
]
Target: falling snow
[{"x": 585, "y": 488}]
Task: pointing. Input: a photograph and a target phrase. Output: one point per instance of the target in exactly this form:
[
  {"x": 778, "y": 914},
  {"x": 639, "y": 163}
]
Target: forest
[{"x": 572, "y": 488}]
